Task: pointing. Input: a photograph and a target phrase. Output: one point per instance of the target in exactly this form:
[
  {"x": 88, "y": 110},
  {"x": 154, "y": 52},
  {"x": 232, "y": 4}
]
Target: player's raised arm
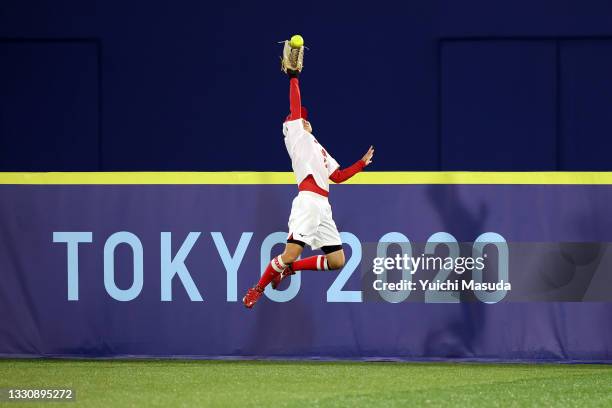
[
  {"x": 292, "y": 63},
  {"x": 295, "y": 99},
  {"x": 341, "y": 175}
]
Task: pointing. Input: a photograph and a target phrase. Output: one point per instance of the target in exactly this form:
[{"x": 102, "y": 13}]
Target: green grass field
[{"x": 297, "y": 384}]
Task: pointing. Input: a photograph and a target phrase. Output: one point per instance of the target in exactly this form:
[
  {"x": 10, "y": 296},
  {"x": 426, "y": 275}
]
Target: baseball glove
[{"x": 292, "y": 60}]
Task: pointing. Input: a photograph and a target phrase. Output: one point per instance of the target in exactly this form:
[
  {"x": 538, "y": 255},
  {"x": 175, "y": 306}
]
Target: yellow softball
[{"x": 296, "y": 41}]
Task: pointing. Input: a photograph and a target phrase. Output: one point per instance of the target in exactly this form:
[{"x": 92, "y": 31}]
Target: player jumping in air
[{"x": 311, "y": 219}]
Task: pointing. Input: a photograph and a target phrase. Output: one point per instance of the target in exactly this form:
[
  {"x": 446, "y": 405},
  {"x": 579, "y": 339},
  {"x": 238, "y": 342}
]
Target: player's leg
[
  {"x": 303, "y": 229},
  {"x": 278, "y": 264},
  {"x": 334, "y": 255},
  {"x": 303, "y": 222},
  {"x": 332, "y": 259},
  {"x": 274, "y": 271},
  {"x": 293, "y": 250},
  {"x": 328, "y": 239}
]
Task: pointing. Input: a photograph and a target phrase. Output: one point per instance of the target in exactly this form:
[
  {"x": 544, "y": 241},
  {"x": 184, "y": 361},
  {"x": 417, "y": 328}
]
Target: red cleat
[
  {"x": 252, "y": 296},
  {"x": 279, "y": 278}
]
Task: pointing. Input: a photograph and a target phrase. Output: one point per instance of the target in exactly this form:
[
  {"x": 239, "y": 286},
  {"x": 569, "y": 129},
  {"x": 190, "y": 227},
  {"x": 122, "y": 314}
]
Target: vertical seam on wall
[
  {"x": 439, "y": 103},
  {"x": 100, "y": 106},
  {"x": 558, "y": 133}
]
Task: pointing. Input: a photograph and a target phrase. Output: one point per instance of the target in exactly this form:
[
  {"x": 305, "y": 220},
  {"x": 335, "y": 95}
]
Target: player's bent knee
[
  {"x": 289, "y": 257},
  {"x": 291, "y": 253},
  {"x": 335, "y": 265},
  {"x": 335, "y": 260}
]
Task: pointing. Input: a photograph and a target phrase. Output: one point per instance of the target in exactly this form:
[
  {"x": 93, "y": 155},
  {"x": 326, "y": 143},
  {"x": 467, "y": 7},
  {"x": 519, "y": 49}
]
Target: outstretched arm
[
  {"x": 339, "y": 175},
  {"x": 295, "y": 100}
]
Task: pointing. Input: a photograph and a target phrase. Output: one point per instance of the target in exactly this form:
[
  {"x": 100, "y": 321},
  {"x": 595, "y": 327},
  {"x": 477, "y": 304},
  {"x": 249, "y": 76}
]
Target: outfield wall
[
  {"x": 510, "y": 85},
  {"x": 155, "y": 264}
]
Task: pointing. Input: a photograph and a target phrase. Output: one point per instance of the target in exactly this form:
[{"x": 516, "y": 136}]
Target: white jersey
[{"x": 307, "y": 155}]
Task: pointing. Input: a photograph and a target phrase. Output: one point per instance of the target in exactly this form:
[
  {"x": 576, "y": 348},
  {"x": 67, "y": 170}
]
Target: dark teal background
[{"x": 194, "y": 85}]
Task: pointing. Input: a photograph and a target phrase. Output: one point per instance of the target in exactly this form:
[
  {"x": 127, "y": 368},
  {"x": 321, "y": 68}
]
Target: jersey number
[{"x": 324, "y": 153}]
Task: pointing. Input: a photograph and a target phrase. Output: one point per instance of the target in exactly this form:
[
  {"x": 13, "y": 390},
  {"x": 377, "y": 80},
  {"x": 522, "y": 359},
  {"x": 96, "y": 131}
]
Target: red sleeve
[
  {"x": 295, "y": 100},
  {"x": 339, "y": 176}
]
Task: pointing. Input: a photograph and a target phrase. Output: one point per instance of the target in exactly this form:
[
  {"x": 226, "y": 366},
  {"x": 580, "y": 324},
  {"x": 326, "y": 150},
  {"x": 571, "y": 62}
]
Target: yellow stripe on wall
[{"x": 288, "y": 178}]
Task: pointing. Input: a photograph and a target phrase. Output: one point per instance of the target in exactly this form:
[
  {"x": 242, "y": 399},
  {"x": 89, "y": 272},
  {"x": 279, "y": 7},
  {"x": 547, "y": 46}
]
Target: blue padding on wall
[
  {"x": 88, "y": 302},
  {"x": 498, "y": 109},
  {"x": 49, "y": 105},
  {"x": 585, "y": 104}
]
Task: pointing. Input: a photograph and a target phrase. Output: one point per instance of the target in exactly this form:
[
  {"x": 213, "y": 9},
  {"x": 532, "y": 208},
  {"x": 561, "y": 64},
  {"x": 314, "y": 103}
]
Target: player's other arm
[{"x": 341, "y": 175}]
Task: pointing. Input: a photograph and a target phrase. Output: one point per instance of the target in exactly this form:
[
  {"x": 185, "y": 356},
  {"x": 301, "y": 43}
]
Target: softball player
[{"x": 311, "y": 221}]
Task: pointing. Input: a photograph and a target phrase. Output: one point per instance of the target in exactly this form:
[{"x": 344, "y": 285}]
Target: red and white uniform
[
  {"x": 311, "y": 216},
  {"x": 308, "y": 157}
]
